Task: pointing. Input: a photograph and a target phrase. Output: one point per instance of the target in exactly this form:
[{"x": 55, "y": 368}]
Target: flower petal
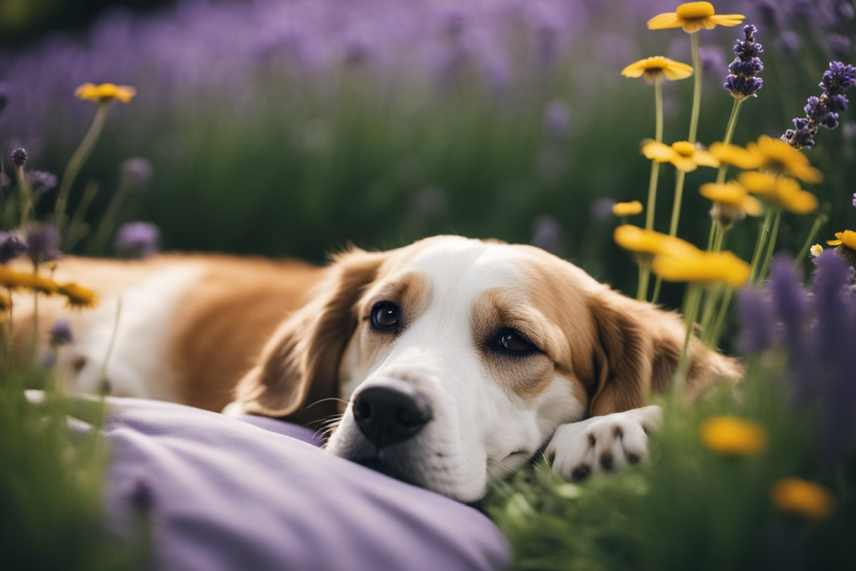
[
  {"x": 684, "y": 164},
  {"x": 727, "y": 20},
  {"x": 664, "y": 21},
  {"x": 657, "y": 151},
  {"x": 634, "y": 70},
  {"x": 705, "y": 159}
]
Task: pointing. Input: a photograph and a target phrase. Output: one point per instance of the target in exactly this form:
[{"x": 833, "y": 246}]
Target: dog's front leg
[{"x": 602, "y": 443}]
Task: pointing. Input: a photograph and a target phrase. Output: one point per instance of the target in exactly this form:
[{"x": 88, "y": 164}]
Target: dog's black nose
[{"x": 387, "y": 416}]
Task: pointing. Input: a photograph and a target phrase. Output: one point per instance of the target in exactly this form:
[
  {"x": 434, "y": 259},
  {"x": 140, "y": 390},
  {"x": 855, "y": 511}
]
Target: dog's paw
[{"x": 602, "y": 443}]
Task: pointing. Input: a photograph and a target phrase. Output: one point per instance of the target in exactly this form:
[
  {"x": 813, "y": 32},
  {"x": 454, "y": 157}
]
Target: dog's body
[{"x": 454, "y": 360}]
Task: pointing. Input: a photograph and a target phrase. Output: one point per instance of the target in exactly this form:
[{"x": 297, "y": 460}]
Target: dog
[{"x": 446, "y": 363}]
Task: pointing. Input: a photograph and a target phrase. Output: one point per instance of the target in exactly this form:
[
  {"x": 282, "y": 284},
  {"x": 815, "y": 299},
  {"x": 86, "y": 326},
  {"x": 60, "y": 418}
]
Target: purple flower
[
  {"x": 41, "y": 181},
  {"x": 743, "y": 79},
  {"x": 825, "y": 110},
  {"x": 19, "y": 156},
  {"x": 60, "y": 333},
  {"x": 601, "y": 209},
  {"x": 42, "y": 243},
  {"x": 557, "y": 119},
  {"x": 10, "y": 247},
  {"x": 757, "y": 321},
  {"x": 791, "y": 305},
  {"x": 136, "y": 172},
  {"x": 547, "y": 234},
  {"x": 137, "y": 240}
]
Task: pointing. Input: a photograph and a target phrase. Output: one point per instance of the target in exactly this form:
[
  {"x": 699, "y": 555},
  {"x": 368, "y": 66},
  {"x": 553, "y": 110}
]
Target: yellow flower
[
  {"x": 736, "y": 156},
  {"x": 627, "y": 208},
  {"x": 733, "y": 436},
  {"x": 846, "y": 238},
  {"x": 684, "y": 155},
  {"x": 780, "y": 156},
  {"x": 702, "y": 267},
  {"x": 732, "y": 196},
  {"x": 779, "y": 190},
  {"x": 106, "y": 92},
  {"x": 648, "y": 242},
  {"x": 816, "y": 250},
  {"x": 78, "y": 296},
  {"x": 802, "y": 498},
  {"x": 657, "y": 67},
  {"x": 692, "y": 17},
  {"x": 14, "y": 280}
]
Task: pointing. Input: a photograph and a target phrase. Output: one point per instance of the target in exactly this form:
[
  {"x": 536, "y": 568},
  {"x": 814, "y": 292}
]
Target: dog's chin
[{"x": 411, "y": 462}]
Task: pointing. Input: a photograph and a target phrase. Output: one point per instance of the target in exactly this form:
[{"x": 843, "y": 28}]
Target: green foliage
[
  {"x": 51, "y": 484},
  {"x": 688, "y": 507}
]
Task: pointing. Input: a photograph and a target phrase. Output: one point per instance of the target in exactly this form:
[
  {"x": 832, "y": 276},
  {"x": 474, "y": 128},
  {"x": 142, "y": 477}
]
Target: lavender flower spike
[
  {"x": 825, "y": 110},
  {"x": 757, "y": 321},
  {"x": 137, "y": 240},
  {"x": 743, "y": 79},
  {"x": 43, "y": 243}
]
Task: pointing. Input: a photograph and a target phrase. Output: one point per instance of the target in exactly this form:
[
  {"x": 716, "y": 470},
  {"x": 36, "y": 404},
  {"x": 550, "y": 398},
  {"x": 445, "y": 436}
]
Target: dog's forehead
[{"x": 468, "y": 266}]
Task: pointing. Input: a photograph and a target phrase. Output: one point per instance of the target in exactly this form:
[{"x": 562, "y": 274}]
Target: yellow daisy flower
[
  {"x": 684, "y": 155},
  {"x": 736, "y": 156},
  {"x": 106, "y": 92},
  {"x": 803, "y": 498},
  {"x": 846, "y": 238},
  {"x": 779, "y": 190},
  {"x": 649, "y": 242},
  {"x": 627, "y": 208},
  {"x": 702, "y": 267},
  {"x": 780, "y": 156},
  {"x": 694, "y": 16},
  {"x": 15, "y": 280},
  {"x": 733, "y": 436},
  {"x": 733, "y": 196},
  {"x": 78, "y": 296},
  {"x": 658, "y": 67},
  {"x": 816, "y": 250}
]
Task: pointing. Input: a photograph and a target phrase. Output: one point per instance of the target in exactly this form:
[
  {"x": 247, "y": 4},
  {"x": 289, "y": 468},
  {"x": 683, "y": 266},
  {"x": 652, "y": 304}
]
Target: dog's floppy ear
[
  {"x": 299, "y": 365},
  {"x": 637, "y": 347}
]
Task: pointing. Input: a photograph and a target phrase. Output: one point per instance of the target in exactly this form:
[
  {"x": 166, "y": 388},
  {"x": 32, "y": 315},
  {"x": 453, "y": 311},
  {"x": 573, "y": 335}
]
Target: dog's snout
[{"x": 387, "y": 415}]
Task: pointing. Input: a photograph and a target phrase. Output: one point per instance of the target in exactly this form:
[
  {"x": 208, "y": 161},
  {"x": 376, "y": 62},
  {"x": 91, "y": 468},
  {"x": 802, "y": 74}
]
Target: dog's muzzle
[{"x": 388, "y": 415}]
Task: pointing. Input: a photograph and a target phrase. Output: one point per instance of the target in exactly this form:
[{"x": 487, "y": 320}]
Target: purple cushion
[{"x": 256, "y": 493}]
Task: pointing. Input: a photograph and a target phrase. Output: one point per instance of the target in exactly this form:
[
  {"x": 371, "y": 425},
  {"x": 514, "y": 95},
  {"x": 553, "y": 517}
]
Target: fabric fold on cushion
[{"x": 255, "y": 493}]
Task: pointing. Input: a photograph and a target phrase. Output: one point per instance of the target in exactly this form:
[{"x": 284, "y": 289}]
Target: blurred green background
[{"x": 286, "y": 156}]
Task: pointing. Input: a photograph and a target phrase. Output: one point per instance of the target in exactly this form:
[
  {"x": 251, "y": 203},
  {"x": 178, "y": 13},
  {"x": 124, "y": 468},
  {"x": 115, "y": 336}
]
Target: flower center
[
  {"x": 684, "y": 148},
  {"x": 695, "y": 10}
]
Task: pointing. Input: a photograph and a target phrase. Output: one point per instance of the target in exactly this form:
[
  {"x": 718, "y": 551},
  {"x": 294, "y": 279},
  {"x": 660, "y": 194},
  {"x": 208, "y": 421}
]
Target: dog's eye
[
  {"x": 511, "y": 342},
  {"x": 386, "y": 316}
]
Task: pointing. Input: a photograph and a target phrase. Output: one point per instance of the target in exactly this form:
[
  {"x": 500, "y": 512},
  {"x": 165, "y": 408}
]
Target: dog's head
[{"x": 459, "y": 358}]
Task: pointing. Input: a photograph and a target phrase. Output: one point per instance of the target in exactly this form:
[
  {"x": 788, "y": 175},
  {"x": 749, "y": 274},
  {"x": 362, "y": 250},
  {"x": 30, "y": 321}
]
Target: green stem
[
  {"x": 644, "y": 277},
  {"x": 812, "y": 234},
  {"x": 712, "y": 299},
  {"x": 680, "y": 178},
  {"x": 771, "y": 246},
  {"x": 696, "y": 111},
  {"x": 692, "y": 307},
  {"x": 35, "y": 337},
  {"x": 108, "y": 221},
  {"x": 26, "y": 196},
  {"x": 729, "y": 136},
  {"x": 104, "y": 381},
  {"x": 760, "y": 242},
  {"x": 712, "y": 338},
  {"x": 711, "y": 235},
  {"x": 653, "y": 183},
  {"x": 77, "y": 229},
  {"x": 76, "y": 162}
]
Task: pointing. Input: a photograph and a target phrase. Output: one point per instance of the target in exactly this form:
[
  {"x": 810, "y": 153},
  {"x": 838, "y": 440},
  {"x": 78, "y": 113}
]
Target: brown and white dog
[{"x": 446, "y": 363}]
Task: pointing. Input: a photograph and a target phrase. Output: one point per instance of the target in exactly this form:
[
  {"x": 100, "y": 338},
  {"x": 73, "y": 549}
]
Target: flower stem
[
  {"x": 77, "y": 228},
  {"x": 729, "y": 136},
  {"x": 812, "y": 234},
  {"x": 760, "y": 242},
  {"x": 26, "y": 196},
  {"x": 696, "y": 110},
  {"x": 653, "y": 183},
  {"x": 103, "y": 379},
  {"x": 108, "y": 221},
  {"x": 771, "y": 246},
  {"x": 76, "y": 162},
  {"x": 35, "y": 337},
  {"x": 691, "y": 313}
]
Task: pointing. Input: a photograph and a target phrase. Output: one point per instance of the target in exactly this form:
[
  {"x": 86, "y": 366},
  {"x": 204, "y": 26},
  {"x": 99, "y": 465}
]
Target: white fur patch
[{"x": 139, "y": 362}]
